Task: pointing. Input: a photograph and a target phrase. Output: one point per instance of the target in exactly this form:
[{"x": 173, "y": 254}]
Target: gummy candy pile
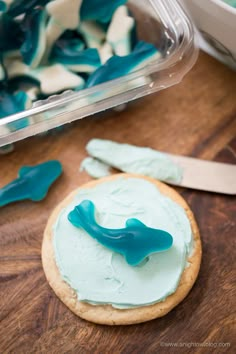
[{"x": 47, "y": 47}]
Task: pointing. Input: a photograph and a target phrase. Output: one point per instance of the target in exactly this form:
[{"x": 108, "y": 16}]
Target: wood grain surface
[{"x": 195, "y": 118}]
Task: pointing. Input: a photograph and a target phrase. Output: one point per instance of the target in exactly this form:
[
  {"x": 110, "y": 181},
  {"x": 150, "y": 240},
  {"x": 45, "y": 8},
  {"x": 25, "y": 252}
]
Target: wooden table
[{"x": 196, "y": 118}]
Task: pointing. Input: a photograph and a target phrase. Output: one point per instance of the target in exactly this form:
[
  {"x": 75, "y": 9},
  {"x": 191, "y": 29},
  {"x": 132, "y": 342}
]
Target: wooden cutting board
[{"x": 195, "y": 118}]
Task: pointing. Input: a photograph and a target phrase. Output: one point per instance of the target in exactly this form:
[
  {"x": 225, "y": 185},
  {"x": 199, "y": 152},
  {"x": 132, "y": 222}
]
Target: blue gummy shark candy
[
  {"x": 11, "y": 34},
  {"x": 14, "y": 103},
  {"x": 33, "y": 183},
  {"x": 135, "y": 242},
  {"x": 87, "y": 60},
  {"x": 17, "y": 82},
  {"x": 118, "y": 66},
  {"x": 100, "y": 10},
  {"x": 19, "y": 7},
  {"x": 34, "y": 45},
  {"x": 68, "y": 44}
]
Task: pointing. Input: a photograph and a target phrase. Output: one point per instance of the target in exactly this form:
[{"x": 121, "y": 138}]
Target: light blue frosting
[
  {"x": 100, "y": 276},
  {"x": 133, "y": 159},
  {"x": 95, "y": 168}
]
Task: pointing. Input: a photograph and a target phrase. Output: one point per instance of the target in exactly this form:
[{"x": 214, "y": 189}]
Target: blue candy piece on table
[
  {"x": 19, "y": 7},
  {"x": 118, "y": 66},
  {"x": 14, "y": 103},
  {"x": 33, "y": 183},
  {"x": 11, "y": 34},
  {"x": 100, "y": 10},
  {"x": 135, "y": 242},
  {"x": 34, "y": 45},
  {"x": 87, "y": 60}
]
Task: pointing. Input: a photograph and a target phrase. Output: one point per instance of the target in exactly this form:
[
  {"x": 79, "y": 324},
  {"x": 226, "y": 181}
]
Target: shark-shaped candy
[
  {"x": 57, "y": 78},
  {"x": 119, "y": 33},
  {"x": 16, "y": 68},
  {"x": 33, "y": 183},
  {"x": 11, "y": 35},
  {"x": 14, "y": 103},
  {"x": 21, "y": 76},
  {"x": 18, "y": 7},
  {"x": 94, "y": 33},
  {"x": 117, "y": 66},
  {"x": 87, "y": 60},
  {"x": 34, "y": 46},
  {"x": 105, "y": 52},
  {"x": 64, "y": 15},
  {"x": 135, "y": 242},
  {"x": 100, "y": 10},
  {"x": 68, "y": 43},
  {"x": 65, "y": 12}
]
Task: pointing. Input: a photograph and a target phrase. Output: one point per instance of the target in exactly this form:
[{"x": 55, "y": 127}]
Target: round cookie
[{"x": 106, "y": 314}]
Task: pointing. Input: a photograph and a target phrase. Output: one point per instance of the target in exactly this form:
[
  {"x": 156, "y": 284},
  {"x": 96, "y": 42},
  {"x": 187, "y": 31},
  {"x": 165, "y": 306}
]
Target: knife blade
[{"x": 206, "y": 175}]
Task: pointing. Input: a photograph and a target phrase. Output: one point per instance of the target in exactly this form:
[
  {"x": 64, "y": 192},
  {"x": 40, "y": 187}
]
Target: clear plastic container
[{"x": 160, "y": 22}]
